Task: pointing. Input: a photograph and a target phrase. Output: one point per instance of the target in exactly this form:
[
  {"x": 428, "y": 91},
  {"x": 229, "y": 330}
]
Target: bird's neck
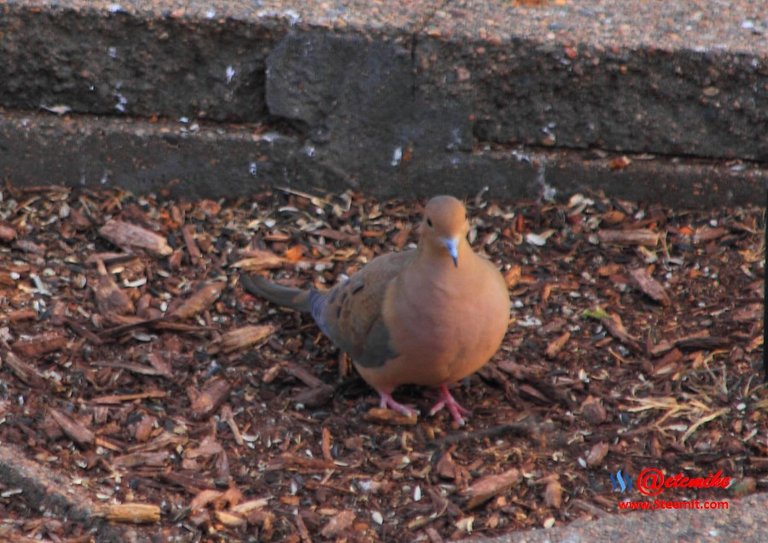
[{"x": 431, "y": 254}]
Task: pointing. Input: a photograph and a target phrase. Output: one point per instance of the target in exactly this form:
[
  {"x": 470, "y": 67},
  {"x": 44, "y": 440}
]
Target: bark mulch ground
[{"x": 135, "y": 368}]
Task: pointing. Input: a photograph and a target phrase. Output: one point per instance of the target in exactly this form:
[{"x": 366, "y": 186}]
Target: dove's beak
[{"x": 452, "y": 244}]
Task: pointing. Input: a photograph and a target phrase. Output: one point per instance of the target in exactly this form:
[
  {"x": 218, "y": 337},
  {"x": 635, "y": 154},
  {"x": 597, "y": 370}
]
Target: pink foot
[
  {"x": 387, "y": 401},
  {"x": 447, "y": 400}
]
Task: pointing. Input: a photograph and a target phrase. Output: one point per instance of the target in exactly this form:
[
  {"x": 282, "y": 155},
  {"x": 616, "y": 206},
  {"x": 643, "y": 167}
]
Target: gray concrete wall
[{"x": 222, "y": 98}]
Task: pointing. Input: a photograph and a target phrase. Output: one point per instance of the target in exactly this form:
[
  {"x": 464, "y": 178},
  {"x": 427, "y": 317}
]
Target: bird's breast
[{"x": 443, "y": 328}]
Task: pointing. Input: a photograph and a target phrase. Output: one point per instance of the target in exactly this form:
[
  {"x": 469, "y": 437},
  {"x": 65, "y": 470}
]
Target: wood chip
[
  {"x": 204, "y": 497},
  {"x": 7, "y": 233},
  {"x": 597, "y": 454},
  {"x": 160, "y": 364},
  {"x": 532, "y": 393},
  {"x": 199, "y": 301},
  {"x": 292, "y": 460},
  {"x": 315, "y": 396},
  {"x": 246, "y": 336},
  {"x": 649, "y": 286},
  {"x": 748, "y": 313},
  {"x": 326, "y": 445},
  {"x": 258, "y": 260},
  {"x": 23, "y": 370},
  {"x": 41, "y": 344},
  {"x": 207, "y": 400},
  {"x": 250, "y": 505},
  {"x": 553, "y": 494},
  {"x": 593, "y": 411},
  {"x": 141, "y": 369},
  {"x": 230, "y": 520},
  {"x": 20, "y": 315},
  {"x": 195, "y": 256},
  {"x": 489, "y": 486},
  {"x": 228, "y": 417},
  {"x": 139, "y": 459},
  {"x": 640, "y": 236},
  {"x": 447, "y": 467},
  {"x": 389, "y": 416},
  {"x": 110, "y": 299},
  {"x": 701, "y": 341},
  {"x": 76, "y": 431},
  {"x": 741, "y": 488},
  {"x": 129, "y": 236},
  {"x": 301, "y": 373},
  {"x": 615, "y": 327},
  {"x": 513, "y": 275},
  {"x": 557, "y": 344},
  {"x": 708, "y": 233},
  {"x": 120, "y": 398},
  {"x": 132, "y": 513},
  {"x": 338, "y": 524}
]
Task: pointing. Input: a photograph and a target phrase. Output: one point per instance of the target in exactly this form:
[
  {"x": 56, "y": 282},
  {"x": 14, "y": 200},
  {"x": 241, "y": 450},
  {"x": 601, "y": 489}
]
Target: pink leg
[
  {"x": 387, "y": 401},
  {"x": 447, "y": 400}
]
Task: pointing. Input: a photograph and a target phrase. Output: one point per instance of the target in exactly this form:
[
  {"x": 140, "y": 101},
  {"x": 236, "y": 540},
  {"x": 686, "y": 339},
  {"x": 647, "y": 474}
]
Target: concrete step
[{"x": 206, "y": 159}]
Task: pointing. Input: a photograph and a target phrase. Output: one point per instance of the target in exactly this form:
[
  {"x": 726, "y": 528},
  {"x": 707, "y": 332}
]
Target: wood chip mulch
[{"x": 133, "y": 364}]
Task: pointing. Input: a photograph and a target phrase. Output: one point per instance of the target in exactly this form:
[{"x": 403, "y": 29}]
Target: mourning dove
[{"x": 429, "y": 316}]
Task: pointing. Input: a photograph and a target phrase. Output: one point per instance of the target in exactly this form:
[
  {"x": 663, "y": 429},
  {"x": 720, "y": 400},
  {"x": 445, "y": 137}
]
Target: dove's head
[{"x": 445, "y": 226}]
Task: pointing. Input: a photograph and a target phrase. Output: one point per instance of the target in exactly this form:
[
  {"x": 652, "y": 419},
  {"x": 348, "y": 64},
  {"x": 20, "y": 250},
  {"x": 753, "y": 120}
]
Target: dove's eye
[{"x": 429, "y": 223}]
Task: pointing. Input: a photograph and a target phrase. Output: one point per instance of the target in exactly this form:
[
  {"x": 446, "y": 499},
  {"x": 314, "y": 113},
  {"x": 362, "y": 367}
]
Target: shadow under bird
[{"x": 428, "y": 316}]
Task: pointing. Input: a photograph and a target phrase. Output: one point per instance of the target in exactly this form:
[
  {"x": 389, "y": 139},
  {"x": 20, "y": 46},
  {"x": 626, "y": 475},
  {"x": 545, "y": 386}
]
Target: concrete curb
[
  {"x": 50, "y": 494},
  {"x": 206, "y": 159},
  {"x": 432, "y": 95},
  {"x": 742, "y": 522}
]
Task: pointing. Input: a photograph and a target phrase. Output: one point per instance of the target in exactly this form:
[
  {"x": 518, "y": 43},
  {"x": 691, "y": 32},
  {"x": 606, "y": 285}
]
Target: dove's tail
[{"x": 294, "y": 298}]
